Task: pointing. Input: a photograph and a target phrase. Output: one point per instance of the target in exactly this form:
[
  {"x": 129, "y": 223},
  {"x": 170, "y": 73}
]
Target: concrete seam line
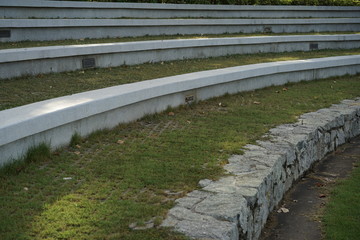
[
  {"x": 70, "y": 23},
  {"x": 237, "y": 206}
]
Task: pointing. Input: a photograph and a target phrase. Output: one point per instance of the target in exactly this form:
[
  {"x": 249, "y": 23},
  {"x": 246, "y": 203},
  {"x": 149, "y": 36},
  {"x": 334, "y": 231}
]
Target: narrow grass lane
[{"x": 27, "y": 44}]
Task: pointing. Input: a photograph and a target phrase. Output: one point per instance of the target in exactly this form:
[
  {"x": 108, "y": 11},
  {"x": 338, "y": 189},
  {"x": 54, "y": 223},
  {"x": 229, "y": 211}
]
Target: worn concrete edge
[
  {"x": 24, "y": 54},
  {"x": 31, "y": 120},
  {"x": 237, "y": 205},
  {"x": 71, "y": 23},
  {"x": 69, "y": 4}
]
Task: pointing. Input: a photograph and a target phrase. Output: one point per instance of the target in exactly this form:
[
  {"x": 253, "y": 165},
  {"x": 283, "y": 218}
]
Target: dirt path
[{"x": 304, "y": 200}]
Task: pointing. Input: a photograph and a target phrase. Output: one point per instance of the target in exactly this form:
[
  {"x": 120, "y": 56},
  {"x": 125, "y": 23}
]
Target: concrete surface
[{"x": 39, "y": 60}]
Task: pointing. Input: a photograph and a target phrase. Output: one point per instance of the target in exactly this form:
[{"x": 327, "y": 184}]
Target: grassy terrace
[
  {"x": 130, "y": 175},
  {"x": 103, "y": 186},
  {"x": 25, "y": 90},
  {"x": 26, "y": 44}
]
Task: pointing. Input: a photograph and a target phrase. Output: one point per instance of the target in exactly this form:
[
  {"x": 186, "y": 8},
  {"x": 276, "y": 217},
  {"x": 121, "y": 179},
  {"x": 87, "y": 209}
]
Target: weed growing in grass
[
  {"x": 132, "y": 174},
  {"x": 34, "y": 154},
  {"x": 75, "y": 140},
  {"x": 38, "y": 153}
]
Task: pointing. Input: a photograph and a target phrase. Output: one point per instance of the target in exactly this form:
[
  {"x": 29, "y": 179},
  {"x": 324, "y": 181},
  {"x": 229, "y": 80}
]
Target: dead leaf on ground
[
  {"x": 120, "y": 141},
  {"x": 322, "y": 196},
  {"x": 283, "y": 210},
  {"x": 256, "y": 102}
]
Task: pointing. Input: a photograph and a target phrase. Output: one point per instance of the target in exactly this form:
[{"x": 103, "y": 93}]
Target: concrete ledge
[
  {"x": 63, "y": 9},
  {"x": 237, "y": 206},
  {"x": 55, "y": 121},
  {"x": 59, "y": 29},
  {"x": 32, "y": 61}
]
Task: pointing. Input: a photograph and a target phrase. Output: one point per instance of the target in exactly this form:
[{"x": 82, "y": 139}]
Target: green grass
[
  {"x": 133, "y": 173},
  {"x": 342, "y": 213},
  {"x": 25, "y": 90},
  {"x": 36, "y": 153},
  {"x": 75, "y": 140},
  {"x": 27, "y": 44}
]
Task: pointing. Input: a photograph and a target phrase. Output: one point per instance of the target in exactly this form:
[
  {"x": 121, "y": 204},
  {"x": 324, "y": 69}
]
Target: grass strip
[
  {"x": 113, "y": 181},
  {"x": 342, "y": 213},
  {"x": 25, "y": 90},
  {"x": 27, "y": 44}
]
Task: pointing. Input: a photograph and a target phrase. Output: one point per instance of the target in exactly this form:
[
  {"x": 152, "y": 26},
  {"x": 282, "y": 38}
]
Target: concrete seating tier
[
  {"x": 67, "y": 9},
  {"x": 13, "y": 30},
  {"x": 32, "y": 61},
  {"x": 236, "y": 206},
  {"x": 55, "y": 121}
]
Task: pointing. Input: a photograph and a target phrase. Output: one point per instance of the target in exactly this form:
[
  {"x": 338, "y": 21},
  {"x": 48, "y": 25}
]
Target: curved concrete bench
[
  {"x": 237, "y": 206},
  {"x": 32, "y": 61},
  {"x": 63, "y": 9},
  {"x": 58, "y": 29},
  {"x": 55, "y": 121}
]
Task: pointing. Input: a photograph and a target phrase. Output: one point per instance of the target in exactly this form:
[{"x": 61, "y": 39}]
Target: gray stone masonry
[{"x": 237, "y": 205}]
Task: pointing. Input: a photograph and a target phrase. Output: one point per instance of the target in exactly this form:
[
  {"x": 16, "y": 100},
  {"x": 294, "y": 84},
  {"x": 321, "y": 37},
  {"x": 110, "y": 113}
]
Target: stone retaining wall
[
  {"x": 237, "y": 206},
  {"x": 39, "y": 60},
  {"x": 13, "y": 30},
  {"x": 67, "y": 9}
]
